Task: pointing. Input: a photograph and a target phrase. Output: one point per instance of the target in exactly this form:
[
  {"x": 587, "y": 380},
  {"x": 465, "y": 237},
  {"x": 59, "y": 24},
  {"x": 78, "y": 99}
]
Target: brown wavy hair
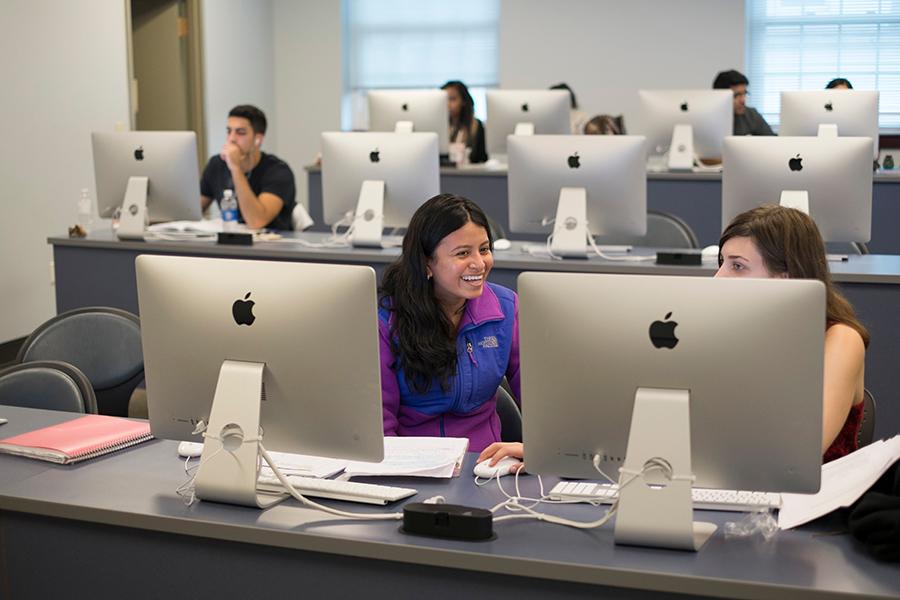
[{"x": 790, "y": 243}]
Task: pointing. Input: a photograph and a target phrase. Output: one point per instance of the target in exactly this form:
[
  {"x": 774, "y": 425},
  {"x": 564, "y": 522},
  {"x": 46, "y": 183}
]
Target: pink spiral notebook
[{"x": 79, "y": 439}]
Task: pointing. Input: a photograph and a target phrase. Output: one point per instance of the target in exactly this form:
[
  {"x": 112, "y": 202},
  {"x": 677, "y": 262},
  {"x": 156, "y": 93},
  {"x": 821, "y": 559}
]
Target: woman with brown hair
[
  {"x": 773, "y": 241},
  {"x": 464, "y": 127}
]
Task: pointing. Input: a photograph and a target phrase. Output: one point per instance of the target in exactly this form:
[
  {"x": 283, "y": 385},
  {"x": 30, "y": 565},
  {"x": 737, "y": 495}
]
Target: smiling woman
[{"x": 448, "y": 337}]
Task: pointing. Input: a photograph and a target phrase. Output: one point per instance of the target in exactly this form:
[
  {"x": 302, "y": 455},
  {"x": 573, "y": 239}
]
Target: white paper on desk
[
  {"x": 843, "y": 481},
  {"x": 417, "y": 457},
  {"x": 206, "y": 227},
  {"x": 294, "y": 464}
]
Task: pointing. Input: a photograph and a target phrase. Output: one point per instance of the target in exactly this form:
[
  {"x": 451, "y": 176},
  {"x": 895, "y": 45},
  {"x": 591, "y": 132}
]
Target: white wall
[
  {"x": 308, "y": 75},
  {"x": 65, "y": 75},
  {"x": 608, "y": 49},
  {"x": 238, "y": 65}
]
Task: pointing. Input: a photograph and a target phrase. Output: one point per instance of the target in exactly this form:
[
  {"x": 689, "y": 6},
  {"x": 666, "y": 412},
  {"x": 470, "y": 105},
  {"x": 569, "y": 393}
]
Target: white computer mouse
[
  {"x": 502, "y": 244},
  {"x": 486, "y": 471},
  {"x": 710, "y": 252},
  {"x": 190, "y": 449}
]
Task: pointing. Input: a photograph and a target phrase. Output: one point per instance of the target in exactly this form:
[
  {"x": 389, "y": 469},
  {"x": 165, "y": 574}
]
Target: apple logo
[
  {"x": 684, "y": 107},
  {"x": 574, "y": 161},
  {"x": 525, "y": 107},
  {"x": 796, "y": 163},
  {"x": 828, "y": 106},
  {"x": 139, "y": 153},
  {"x": 404, "y": 107},
  {"x": 242, "y": 311},
  {"x": 662, "y": 333},
  {"x": 373, "y": 156}
]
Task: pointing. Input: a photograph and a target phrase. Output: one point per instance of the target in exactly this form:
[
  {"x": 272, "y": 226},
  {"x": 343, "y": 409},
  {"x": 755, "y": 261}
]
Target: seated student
[
  {"x": 747, "y": 121},
  {"x": 602, "y": 125},
  {"x": 448, "y": 337},
  {"x": 262, "y": 183},
  {"x": 464, "y": 127},
  {"x": 773, "y": 241},
  {"x": 577, "y": 118},
  {"x": 839, "y": 83}
]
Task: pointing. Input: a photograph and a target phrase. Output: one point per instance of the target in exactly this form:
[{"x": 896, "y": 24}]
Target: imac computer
[
  {"x": 828, "y": 178},
  {"x": 405, "y": 111},
  {"x": 378, "y": 178},
  {"x": 591, "y": 184},
  {"x": 672, "y": 382},
  {"x": 686, "y": 124},
  {"x": 829, "y": 113},
  {"x": 525, "y": 112},
  {"x": 279, "y": 353},
  {"x": 150, "y": 175}
]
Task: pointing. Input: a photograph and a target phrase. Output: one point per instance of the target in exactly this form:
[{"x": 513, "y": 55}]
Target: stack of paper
[
  {"x": 843, "y": 481},
  {"x": 290, "y": 464},
  {"x": 417, "y": 457}
]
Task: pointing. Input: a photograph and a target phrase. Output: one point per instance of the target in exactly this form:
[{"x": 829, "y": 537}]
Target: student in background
[
  {"x": 747, "y": 121},
  {"x": 262, "y": 183},
  {"x": 602, "y": 125},
  {"x": 577, "y": 118},
  {"x": 464, "y": 127},
  {"x": 448, "y": 337},
  {"x": 839, "y": 83},
  {"x": 773, "y": 241}
]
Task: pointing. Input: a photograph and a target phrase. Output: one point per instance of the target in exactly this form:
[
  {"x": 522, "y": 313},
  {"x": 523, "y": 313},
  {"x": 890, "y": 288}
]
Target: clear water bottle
[
  {"x": 229, "y": 207},
  {"x": 85, "y": 210}
]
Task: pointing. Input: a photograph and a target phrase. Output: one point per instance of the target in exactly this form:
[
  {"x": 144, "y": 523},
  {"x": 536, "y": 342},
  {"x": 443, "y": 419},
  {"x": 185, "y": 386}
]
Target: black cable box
[
  {"x": 679, "y": 257},
  {"x": 235, "y": 238},
  {"x": 448, "y": 521}
]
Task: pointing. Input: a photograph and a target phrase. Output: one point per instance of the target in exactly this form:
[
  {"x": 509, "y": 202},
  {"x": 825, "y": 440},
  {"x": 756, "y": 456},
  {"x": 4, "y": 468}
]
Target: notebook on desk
[{"x": 77, "y": 440}]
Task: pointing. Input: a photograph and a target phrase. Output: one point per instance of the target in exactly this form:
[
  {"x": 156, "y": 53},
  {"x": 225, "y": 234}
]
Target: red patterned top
[{"x": 846, "y": 440}]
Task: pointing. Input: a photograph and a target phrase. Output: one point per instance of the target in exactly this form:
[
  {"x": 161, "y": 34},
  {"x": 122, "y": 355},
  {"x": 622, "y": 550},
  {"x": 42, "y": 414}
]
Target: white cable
[
  {"x": 304, "y": 500},
  {"x": 605, "y": 256}
]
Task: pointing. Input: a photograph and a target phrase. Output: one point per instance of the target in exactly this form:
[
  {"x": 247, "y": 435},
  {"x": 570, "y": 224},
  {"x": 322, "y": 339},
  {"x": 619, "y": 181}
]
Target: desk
[
  {"x": 115, "y": 524},
  {"x": 695, "y": 197}
]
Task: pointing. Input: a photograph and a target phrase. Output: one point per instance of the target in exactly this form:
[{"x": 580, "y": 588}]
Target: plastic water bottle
[
  {"x": 229, "y": 207},
  {"x": 85, "y": 210}
]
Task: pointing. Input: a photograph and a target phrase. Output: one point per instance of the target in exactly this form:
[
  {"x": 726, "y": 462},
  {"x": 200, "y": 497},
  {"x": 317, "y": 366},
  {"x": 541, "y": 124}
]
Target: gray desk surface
[{"x": 126, "y": 503}]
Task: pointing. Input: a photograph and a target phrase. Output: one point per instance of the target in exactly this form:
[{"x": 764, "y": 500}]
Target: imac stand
[
  {"x": 798, "y": 199},
  {"x": 229, "y": 463},
  {"x": 681, "y": 150},
  {"x": 524, "y": 129},
  {"x": 828, "y": 130},
  {"x": 403, "y": 127},
  {"x": 133, "y": 219},
  {"x": 570, "y": 227},
  {"x": 369, "y": 219},
  {"x": 659, "y": 455}
]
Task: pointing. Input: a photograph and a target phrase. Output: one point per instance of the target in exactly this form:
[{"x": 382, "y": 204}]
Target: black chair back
[{"x": 47, "y": 384}]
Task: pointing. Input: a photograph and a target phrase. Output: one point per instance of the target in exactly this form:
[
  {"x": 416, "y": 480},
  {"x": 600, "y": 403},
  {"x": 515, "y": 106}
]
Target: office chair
[
  {"x": 867, "y": 428},
  {"x": 853, "y": 248},
  {"x": 104, "y": 343},
  {"x": 510, "y": 416},
  {"x": 47, "y": 384},
  {"x": 664, "y": 230}
]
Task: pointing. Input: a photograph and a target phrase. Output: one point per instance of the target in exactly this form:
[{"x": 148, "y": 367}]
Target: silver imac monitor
[
  {"x": 685, "y": 124},
  {"x": 523, "y": 112},
  {"x": 283, "y": 352},
  {"x": 669, "y": 378},
  {"x": 379, "y": 179},
  {"x": 585, "y": 185},
  {"x": 151, "y": 175},
  {"x": 405, "y": 111},
  {"x": 828, "y": 178},
  {"x": 830, "y": 112}
]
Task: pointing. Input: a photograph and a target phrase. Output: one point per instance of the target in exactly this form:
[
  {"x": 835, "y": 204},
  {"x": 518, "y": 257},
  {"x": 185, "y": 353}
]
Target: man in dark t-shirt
[
  {"x": 262, "y": 183},
  {"x": 747, "y": 121}
]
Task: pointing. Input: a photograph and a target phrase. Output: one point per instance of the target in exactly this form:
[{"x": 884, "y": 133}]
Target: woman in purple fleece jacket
[{"x": 448, "y": 337}]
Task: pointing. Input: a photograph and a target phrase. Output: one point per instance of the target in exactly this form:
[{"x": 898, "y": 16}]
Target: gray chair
[
  {"x": 510, "y": 416},
  {"x": 47, "y": 384},
  {"x": 104, "y": 343},
  {"x": 664, "y": 230},
  {"x": 867, "y": 428}
]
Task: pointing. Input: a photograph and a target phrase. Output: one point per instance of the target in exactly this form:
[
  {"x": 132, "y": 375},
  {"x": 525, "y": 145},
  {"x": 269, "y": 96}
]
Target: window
[
  {"x": 803, "y": 44},
  {"x": 414, "y": 44}
]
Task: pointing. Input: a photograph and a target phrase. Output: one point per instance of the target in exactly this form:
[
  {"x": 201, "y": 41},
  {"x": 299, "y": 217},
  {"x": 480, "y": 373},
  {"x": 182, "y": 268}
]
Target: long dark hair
[
  {"x": 466, "y": 120},
  {"x": 790, "y": 243},
  {"x": 422, "y": 337}
]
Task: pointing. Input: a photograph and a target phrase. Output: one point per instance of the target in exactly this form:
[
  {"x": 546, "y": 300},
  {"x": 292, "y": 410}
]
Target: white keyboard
[
  {"x": 704, "y": 498},
  {"x": 351, "y": 491}
]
